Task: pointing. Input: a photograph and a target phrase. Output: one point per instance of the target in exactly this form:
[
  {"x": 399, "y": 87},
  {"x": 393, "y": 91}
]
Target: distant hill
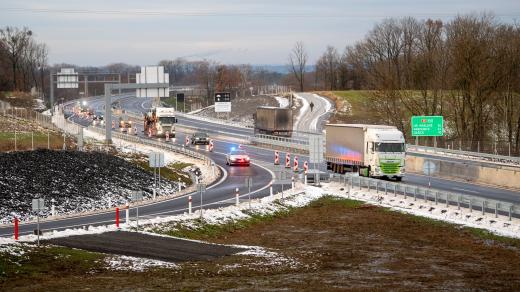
[{"x": 283, "y": 69}]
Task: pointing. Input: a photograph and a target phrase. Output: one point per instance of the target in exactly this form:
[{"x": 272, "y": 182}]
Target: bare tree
[
  {"x": 15, "y": 41},
  {"x": 297, "y": 62}
]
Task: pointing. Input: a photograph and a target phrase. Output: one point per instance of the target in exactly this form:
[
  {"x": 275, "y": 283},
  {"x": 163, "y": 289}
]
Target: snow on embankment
[
  {"x": 300, "y": 197},
  {"x": 283, "y": 102},
  {"x": 77, "y": 181}
]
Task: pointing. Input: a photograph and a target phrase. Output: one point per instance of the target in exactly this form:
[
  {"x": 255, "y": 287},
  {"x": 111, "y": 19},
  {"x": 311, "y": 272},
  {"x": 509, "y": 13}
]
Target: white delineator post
[
  {"x": 292, "y": 184},
  {"x": 189, "y": 204},
  {"x": 271, "y": 190},
  {"x": 237, "y": 199},
  {"x": 127, "y": 213},
  {"x": 305, "y": 170},
  {"x": 53, "y": 208}
]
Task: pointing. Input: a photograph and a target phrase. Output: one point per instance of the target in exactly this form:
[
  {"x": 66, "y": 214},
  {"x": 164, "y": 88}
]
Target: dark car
[{"x": 199, "y": 138}]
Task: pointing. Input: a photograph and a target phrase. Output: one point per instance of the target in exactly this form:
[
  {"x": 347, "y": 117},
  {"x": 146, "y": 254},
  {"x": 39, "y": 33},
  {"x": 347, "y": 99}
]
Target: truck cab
[
  {"x": 385, "y": 153},
  {"x": 161, "y": 120}
]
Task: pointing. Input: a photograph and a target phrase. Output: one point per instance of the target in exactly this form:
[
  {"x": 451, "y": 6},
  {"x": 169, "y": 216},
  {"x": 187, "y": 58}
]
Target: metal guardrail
[
  {"x": 301, "y": 143},
  {"x": 463, "y": 154},
  {"x": 439, "y": 197},
  {"x": 286, "y": 142},
  {"x": 166, "y": 146}
]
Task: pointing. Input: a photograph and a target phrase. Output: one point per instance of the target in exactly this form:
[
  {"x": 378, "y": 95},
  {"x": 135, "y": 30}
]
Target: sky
[{"x": 96, "y": 32}]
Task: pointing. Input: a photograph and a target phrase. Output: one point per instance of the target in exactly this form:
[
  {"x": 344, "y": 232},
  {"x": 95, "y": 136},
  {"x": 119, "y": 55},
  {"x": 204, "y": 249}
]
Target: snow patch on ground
[
  {"x": 299, "y": 197},
  {"x": 283, "y": 102},
  {"x": 127, "y": 263},
  {"x": 305, "y": 107},
  {"x": 500, "y": 226}
]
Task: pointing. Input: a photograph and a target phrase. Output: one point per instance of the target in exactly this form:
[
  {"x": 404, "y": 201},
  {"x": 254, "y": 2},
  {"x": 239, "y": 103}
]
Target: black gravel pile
[{"x": 77, "y": 181}]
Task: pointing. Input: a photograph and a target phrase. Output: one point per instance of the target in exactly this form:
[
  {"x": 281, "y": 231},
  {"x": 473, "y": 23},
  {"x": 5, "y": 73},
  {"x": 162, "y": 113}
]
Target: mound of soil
[{"x": 77, "y": 181}]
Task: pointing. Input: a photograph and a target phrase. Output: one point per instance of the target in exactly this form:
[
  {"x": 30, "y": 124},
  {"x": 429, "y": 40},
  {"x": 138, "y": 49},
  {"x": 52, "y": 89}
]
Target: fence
[
  {"x": 504, "y": 148},
  {"x": 439, "y": 197},
  {"x": 30, "y": 115},
  {"x": 464, "y": 154}
]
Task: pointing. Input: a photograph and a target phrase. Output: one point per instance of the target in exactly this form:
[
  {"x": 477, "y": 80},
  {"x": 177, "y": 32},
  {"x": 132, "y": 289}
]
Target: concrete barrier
[{"x": 502, "y": 176}]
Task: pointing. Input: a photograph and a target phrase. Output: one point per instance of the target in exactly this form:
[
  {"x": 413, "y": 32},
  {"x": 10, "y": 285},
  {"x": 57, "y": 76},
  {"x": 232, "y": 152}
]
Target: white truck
[
  {"x": 159, "y": 121},
  {"x": 371, "y": 150}
]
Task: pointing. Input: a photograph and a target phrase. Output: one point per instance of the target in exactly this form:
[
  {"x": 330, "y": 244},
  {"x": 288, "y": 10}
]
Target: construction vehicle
[
  {"x": 371, "y": 150},
  {"x": 274, "y": 121},
  {"x": 160, "y": 121},
  {"x": 125, "y": 124}
]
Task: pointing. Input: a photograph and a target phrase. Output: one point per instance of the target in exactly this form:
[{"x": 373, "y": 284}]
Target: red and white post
[
  {"x": 15, "y": 228},
  {"x": 187, "y": 141},
  {"x": 211, "y": 145},
  {"x": 276, "y": 158},
  {"x": 135, "y": 130},
  {"x": 189, "y": 204},
  {"x": 149, "y": 133},
  {"x": 117, "y": 217},
  {"x": 288, "y": 160},
  {"x": 113, "y": 125},
  {"x": 296, "y": 167},
  {"x": 167, "y": 136},
  {"x": 237, "y": 197}
]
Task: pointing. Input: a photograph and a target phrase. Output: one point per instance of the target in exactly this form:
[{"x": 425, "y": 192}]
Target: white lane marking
[{"x": 465, "y": 190}]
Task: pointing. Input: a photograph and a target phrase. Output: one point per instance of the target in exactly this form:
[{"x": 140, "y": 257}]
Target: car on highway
[
  {"x": 98, "y": 117},
  {"x": 200, "y": 138},
  {"x": 238, "y": 157}
]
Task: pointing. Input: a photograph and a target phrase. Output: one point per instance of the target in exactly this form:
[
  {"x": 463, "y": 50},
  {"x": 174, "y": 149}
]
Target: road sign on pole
[
  {"x": 427, "y": 126},
  {"x": 37, "y": 206},
  {"x": 316, "y": 148},
  {"x": 222, "y": 102},
  {"x": 428, "y": 169},
  {"x": 136, "y": 197}
]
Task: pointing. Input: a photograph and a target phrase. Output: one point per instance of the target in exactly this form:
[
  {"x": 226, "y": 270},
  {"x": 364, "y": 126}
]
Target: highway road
[
  {"x": 222, "y": 193},
  {"x": 319, "y": 116}
]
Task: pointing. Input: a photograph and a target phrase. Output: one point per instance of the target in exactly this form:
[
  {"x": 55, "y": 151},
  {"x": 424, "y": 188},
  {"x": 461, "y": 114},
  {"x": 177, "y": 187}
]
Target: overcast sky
[{"x": 96, "y": 32}]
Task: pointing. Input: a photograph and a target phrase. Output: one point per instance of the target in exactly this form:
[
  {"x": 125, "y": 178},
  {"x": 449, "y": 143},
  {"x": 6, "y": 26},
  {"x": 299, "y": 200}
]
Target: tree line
[
  {"x": 23, "y": 60},
  {"x": 467, "y": 70}
]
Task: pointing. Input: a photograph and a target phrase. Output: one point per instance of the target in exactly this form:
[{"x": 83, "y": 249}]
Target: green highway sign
[{"x": 427, "y": 126}]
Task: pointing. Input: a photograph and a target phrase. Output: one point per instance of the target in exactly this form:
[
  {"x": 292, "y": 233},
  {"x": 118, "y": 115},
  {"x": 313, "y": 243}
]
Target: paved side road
[
  {"x": 141, "y": 245},
  {"x": 313, "y": 121}
]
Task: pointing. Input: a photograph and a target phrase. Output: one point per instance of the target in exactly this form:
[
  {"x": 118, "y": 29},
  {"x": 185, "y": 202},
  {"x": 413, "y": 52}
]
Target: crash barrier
[
  {"x": 158, "y": 144},
  {"x": 463, "y": 154},
  {"x": 439, "y": 197}
]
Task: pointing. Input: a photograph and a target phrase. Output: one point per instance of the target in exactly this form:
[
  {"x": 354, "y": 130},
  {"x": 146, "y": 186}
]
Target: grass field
[
  {"x": 26, "y": 141},
  {"x": 332, "y": 244}
]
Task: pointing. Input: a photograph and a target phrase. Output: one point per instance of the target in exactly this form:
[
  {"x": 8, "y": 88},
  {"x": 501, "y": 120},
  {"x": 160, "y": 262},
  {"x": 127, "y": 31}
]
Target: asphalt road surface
[{"x": 141, "y": 245}]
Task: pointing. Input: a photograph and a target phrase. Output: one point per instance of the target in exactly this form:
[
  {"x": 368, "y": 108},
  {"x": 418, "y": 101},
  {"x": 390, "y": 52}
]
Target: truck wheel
[{"x": 398, "y": 178}]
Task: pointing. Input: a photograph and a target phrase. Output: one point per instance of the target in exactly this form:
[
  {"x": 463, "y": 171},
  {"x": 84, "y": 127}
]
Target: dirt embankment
[
  {"x": 243, "y": 108},
  {"x": 331, "y": 245},
  {"x": 77, "y": 181}
]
